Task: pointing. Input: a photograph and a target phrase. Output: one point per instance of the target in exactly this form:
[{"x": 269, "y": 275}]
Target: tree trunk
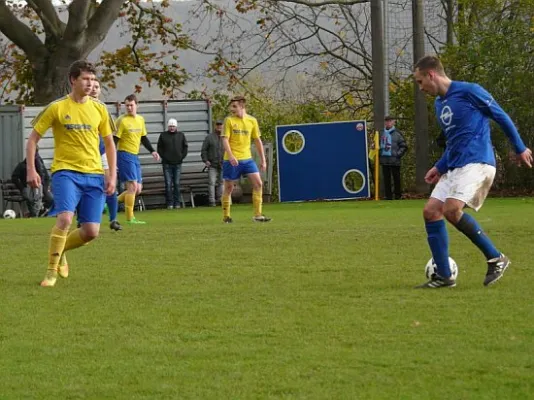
[{"x": 51, "y": 76}]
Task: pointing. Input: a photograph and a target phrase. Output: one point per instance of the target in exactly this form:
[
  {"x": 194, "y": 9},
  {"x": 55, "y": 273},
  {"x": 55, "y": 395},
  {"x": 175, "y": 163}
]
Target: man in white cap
[{"x": 172, "y": 148}]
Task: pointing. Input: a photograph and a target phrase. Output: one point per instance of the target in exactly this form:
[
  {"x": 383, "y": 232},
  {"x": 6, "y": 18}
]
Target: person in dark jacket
[
  {"x": 212, "y": 155},
  {"x": 172, "y": 148},
  {"x": 392, "y": 148},
  {"x": 37, "y": 198}
]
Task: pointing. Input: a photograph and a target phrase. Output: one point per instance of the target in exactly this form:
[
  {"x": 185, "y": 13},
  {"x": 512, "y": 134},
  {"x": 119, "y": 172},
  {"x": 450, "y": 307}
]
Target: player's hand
[
  {"x": 110, "y": 185},
  {"x": 526, "y": 157},
  {"x": 263, "y": 166},
  {"x": 432, "y": 176},
  {"x": 208, "y": 164},
  {"x": 33, "y": 179},
  {"x": 233, "y": 161},
  {"x": 156, "y": 156}
]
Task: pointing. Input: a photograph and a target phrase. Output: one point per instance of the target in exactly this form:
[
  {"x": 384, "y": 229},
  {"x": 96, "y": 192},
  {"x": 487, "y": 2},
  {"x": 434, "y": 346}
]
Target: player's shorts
[
  {"x": 470, "y": 184},
  {"x": 129, "y": 167},
  {"x": 78, "y": 191},
  {"x": 244, "y": 167}
]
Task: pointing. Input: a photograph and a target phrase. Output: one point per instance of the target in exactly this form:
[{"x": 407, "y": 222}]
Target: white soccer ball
[
  {"x": 10, "y": 214},
  {"x": 432, "y": 268}
]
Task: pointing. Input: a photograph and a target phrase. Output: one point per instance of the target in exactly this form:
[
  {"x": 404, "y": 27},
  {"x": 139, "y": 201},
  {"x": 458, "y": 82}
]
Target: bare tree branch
[
  {"x": 324, "y": 3},
  {"x": 20, "y": 34},
  {"x": 48, "y": 15},
  {"x": 78, "y": 17},
  {"x": 100, "y": 22}
]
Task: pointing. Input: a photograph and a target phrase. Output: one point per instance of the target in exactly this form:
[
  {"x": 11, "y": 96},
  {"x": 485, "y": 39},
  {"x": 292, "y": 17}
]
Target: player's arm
[
  {"x": 256, "y": 136},
  {"x": 261, "y": 153},
  {"x": 147, "y": 145},
  {"x": 225, "y": 137},
  {"x": 111, "y": 155},
  {"x": 32, "y": 177},
  {"x": 488, "y": 106}
]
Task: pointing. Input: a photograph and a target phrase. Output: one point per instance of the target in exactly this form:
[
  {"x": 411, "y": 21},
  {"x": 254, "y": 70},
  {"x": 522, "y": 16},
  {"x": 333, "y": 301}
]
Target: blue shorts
[
  {"x": 78, "y": 191},
  {"x": 244, "y": 167},
  {"x": 129, "y": 167}
]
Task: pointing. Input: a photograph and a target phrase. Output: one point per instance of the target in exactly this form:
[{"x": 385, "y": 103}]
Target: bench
[
  {"x": 191, "y": 183},
  {"x": 11, "y": 195}
]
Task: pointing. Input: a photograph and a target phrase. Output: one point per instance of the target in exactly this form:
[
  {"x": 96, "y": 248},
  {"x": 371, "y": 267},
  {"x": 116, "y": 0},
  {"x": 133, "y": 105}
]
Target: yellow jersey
[
  {"x": 130, "y": 129},
  {"x": 76, "y": 128},
  {"x": 240, "y": 132}
]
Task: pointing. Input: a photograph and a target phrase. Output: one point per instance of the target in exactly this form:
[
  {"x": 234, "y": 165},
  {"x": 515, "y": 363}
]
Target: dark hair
[
  {"x": 131, "y": 97},
  {"x": 430, "y": 63},
  {"x": 240, "y": 99},
  {"x": 77, "y": 67}
]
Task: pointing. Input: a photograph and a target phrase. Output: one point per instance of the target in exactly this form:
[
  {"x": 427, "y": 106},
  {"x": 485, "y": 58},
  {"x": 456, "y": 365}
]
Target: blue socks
[
  {"x": 438, "y": 240},
  {"x": 113, "y": 206},
  {"x": 470, "y": 228}
]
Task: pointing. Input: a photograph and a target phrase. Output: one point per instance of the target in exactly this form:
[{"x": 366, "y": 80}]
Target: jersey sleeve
[
  {"x": 255, "y": 134},
  {"x": 485, "y": 102},
  {"x": 227, "y": 131},
  {"x": 143, "y": 128},
  {"x": 107, "y": 126},
  {"x": 44, "y": 121},
  {"x": 119, "y": 127}
]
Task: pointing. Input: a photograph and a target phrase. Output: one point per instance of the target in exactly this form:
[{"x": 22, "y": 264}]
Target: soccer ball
[
  {"x": 10, "y": 214},
  {"x": 432, "y": 268}
]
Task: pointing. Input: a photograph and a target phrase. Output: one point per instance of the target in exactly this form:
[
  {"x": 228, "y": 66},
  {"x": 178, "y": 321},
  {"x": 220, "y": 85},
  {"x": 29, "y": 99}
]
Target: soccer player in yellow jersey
[
  {"x": 77, "y": 122},
  {"x": 131, "y": 132},
  {"x": 239, "y": 130}
]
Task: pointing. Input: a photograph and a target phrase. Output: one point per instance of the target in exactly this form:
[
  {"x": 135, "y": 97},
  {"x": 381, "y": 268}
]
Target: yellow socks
[
  {"x": 257, "y": 201},
  {"x": 129, "y": 202},
  {"x": 121, "y": 196},
  {"x": 226, "y": 203},
  {"x": 58, "y": 237}
]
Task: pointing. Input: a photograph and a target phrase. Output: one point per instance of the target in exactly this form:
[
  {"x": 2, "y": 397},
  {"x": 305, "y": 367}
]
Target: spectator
[
  {"x": 36, "y": 198},
  {"x": 212, "y": 155},
  {"x": 392, "y": 149},
  {"x": 172, "y": 148}
]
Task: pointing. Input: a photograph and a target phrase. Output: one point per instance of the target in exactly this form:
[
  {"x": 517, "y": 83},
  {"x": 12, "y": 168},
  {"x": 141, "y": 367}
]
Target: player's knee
[
  {"x": 431, "y": 213},
  {"x": 64, "y": 220},
  {"x": 89, "y": 232},
  {"x": 452, "y": 214}
]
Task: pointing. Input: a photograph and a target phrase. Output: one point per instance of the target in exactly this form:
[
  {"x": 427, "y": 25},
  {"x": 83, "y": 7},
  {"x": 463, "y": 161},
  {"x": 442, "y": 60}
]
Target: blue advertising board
[{"x": 323, "y": 161}]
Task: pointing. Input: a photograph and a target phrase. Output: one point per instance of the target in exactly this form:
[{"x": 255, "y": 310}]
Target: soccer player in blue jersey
[
  {"x": 77, "y": 122},
  {"x": 464, "y": 174}
]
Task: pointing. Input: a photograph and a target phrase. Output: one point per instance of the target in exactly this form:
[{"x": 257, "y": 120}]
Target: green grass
[{"x": 319, "y": 304}]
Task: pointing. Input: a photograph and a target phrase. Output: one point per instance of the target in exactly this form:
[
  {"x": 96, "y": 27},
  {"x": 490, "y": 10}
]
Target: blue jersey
[{"x": 464, "y": 115}]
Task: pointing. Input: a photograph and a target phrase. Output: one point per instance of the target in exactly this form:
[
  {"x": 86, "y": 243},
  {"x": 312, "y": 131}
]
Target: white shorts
[
  {"x": 470, "y": 184},
  {"x": 105, "y": 164}
]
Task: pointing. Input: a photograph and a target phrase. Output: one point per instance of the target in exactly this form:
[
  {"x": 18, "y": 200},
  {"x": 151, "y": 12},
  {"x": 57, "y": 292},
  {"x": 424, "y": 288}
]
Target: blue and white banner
[{"x": 324, "y": 161}]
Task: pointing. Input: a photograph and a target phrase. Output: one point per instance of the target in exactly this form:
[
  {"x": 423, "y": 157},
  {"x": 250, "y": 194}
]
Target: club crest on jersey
[
  {"x": 67, "y": 117},
  {"x": 446, "y": 115}
]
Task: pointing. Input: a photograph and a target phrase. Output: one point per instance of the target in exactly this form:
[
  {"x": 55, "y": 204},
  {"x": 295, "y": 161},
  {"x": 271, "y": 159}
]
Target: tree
[{"x": 43, "y": 46}]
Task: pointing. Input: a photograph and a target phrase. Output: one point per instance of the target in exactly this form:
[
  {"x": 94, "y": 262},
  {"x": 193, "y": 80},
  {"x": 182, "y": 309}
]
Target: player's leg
[
  {"x": 437, "y": 235},
  {"x": 67, "y": 190},
  {"x": 113, "y": 207},
  {"x": 472, "y": 186},
  {"x": 250, "y": 169},
  {"x": 230, "y": 174},
  {"x": 91, "y": 202}
]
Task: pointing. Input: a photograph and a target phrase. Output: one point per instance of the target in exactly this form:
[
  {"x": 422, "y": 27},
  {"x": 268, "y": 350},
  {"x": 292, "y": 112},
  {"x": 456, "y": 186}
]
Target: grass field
[{"x": 318, "y": 304}]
